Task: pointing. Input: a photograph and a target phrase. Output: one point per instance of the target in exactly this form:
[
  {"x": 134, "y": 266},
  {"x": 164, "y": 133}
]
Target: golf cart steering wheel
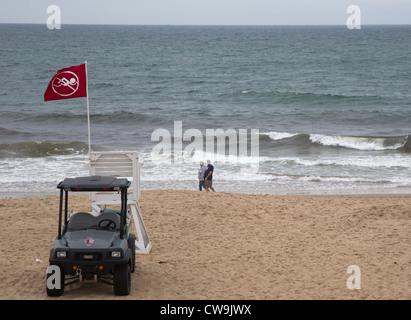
[{"x": 109, "y": 224}]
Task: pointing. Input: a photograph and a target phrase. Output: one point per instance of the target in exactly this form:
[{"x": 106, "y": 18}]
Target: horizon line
[{"x": 212, "y": 25}]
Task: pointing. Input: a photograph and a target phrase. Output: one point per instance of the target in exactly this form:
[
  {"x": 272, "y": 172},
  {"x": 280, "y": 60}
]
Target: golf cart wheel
[
  {"x": 132, "y": 246},
  {"x": 122, "y": 279},
  {"x": 55, "y": 281}
]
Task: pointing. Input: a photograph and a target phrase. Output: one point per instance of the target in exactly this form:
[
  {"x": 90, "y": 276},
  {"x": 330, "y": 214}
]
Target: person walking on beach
[
  {"x": 208, "y": 176},
  {"x": 201, "y": 172}
]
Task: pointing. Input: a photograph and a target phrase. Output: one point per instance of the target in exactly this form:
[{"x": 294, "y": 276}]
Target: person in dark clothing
[{"x": 208, "y": 176}]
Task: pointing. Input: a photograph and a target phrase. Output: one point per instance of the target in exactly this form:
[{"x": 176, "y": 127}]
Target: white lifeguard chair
[{"x": 125, "y": 164}]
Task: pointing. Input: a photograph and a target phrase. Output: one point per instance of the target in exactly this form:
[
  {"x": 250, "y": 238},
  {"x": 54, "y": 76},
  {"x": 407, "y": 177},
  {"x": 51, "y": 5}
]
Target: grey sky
[{"x": 207, "y": 12}]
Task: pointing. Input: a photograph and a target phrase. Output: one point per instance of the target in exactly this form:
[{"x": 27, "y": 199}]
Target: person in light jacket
[{"x": 201, "y": 172}]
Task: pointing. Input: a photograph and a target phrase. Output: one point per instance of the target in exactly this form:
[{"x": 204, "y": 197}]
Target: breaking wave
[
  {"x": 361, "y": 143},
  {"x": 37, "y": 149},
  {"x": 364, "y": 143}
]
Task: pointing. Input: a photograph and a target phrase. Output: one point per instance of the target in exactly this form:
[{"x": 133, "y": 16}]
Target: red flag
[{"x": 67, "y": 83}]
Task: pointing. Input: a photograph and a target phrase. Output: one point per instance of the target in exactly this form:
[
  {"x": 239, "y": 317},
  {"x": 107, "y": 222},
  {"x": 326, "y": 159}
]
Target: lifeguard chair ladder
[{"x": 121, "y": 164}]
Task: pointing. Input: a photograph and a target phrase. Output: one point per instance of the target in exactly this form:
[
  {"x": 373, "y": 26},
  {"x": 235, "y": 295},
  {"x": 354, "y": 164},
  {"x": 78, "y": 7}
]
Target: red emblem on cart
[{"x": 89, "y": 242}]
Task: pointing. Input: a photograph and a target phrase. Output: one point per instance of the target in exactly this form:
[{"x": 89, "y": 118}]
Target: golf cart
[{"x": 92, "y": 246}]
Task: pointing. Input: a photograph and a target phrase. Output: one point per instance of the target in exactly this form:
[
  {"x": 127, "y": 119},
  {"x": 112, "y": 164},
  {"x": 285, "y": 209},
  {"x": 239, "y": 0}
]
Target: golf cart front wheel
[
  {"x": 122, "y": 279},
  {"x": 55, "y": 281}
]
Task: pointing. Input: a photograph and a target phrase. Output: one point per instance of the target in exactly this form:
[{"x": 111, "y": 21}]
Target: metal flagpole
[{"x": 88, "y": 114}]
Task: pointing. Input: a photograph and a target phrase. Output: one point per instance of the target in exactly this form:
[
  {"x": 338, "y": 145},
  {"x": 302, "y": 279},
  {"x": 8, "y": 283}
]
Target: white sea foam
[
  {"x": 314, "y": 172},
  {"x": 370, "y": 161},
  {"x": 359, "y": 143},
  {"x": 43, "y": 174},
  {"x": 280, "y": 135}
]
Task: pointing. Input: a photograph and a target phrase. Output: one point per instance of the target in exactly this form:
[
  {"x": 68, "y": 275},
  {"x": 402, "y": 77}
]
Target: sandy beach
[{"x": 230, "y": 246}]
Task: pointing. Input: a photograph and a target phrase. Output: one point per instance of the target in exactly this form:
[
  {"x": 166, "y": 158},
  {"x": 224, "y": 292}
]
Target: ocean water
[{"x": 330, "y": 108}]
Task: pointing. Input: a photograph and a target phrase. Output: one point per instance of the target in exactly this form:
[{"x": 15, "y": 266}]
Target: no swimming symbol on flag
[
  {"x": 63, "y": 86},
  {"x": 67, "y": 83}
]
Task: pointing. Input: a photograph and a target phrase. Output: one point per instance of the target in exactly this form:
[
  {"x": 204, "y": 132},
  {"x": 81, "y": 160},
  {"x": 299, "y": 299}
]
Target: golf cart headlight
[
  {"x": 116, "y": 254},
  {"x": 61, "y": 254}
]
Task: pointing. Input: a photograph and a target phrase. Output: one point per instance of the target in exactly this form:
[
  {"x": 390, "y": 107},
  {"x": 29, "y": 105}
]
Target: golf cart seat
[
  {"x": 81, "y": 220},
  {"x": 85, "y": 220}
]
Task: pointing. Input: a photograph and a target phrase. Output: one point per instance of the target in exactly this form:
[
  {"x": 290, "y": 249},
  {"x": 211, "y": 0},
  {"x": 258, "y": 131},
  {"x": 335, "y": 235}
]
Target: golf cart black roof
[{"x": 94, "y": 183}]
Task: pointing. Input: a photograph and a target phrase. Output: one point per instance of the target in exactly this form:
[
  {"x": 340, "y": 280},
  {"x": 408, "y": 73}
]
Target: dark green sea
[{"x": 332, "y": 106}]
